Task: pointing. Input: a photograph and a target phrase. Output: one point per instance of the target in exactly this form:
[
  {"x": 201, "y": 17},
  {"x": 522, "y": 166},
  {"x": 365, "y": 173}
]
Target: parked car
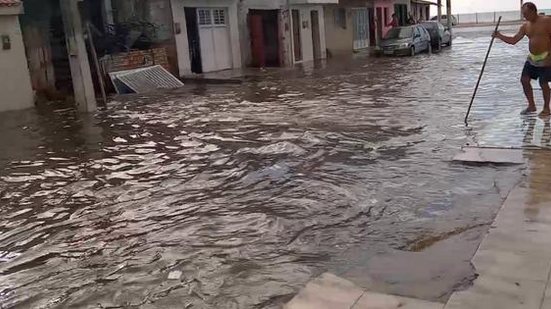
[
  {"x": 439, "y": 35},
  {"x": 444, "y": 19},
  {"x": 408, "y": 40}
]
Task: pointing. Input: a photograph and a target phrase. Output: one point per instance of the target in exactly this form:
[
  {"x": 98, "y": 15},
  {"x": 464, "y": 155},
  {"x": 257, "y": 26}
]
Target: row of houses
[{"x": 52, "y": 38}]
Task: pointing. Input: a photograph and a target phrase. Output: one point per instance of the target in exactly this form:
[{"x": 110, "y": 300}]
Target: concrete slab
[
  {"x": 514, "y": 259},
  {"x": 547, "y": 298},
  {"x": 536, "y": 244},
  {"x": 326, "y": 292},
  {"x": 490, "y": 155},
  {"x": 490, "y": 292},
  {"x": 331, "y": 292},
  {"x": 382, "y": 301},
  {"x": 512, "y": 265}
]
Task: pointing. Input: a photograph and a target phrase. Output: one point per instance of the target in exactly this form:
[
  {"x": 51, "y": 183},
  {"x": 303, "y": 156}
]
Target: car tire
[
  {"x": 429, "y": 50},
  {"x": 439, "y": 46},
  {"x": 412, "y": 51}
]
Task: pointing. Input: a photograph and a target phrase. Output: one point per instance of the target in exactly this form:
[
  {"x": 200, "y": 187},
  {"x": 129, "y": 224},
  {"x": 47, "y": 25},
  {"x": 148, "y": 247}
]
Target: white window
[
  {"x": 204, "y": 17},
  {"x": 339, "y": 15},
  {"x": 219, "y": 17},
  {"x": 211, "y": 17}
]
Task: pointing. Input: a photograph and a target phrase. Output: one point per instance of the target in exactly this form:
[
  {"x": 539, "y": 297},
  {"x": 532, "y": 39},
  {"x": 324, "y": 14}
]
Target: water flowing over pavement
[{"x": 235, "y": 196}]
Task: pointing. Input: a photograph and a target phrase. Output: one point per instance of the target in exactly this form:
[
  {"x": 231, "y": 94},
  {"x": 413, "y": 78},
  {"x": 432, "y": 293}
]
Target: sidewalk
[
  {"x": 513, "y": 262},
  {"x": 331, "y": 292}
]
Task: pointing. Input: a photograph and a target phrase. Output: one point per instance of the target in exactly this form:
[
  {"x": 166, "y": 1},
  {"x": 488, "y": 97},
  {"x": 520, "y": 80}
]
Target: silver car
[{"x": 408, "y": 40}]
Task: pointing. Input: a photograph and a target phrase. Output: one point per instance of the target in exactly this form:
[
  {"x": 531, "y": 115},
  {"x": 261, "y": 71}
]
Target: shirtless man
[{"x": 538, "y": 65}]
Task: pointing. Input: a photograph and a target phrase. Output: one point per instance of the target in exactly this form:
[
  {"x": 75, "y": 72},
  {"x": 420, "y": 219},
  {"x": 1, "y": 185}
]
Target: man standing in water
[{"x": 538, "y": 66}]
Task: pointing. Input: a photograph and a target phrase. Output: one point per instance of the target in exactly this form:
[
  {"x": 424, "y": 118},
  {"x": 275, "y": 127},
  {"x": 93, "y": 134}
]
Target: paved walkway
[
  {"x": 514, "y": 259},
  {"x": 331, "y": 292}
]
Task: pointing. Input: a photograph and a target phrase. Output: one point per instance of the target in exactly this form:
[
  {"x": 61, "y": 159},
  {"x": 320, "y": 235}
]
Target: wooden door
[
  {"x": 257, "y": 40},
  {"x": 214, "y": 36},
  {"x": 316, "y": 40},
  {"x": 380, "y": 23},
  {"x": 297, "y": 42},
  {"x": 372, "y": 27}
]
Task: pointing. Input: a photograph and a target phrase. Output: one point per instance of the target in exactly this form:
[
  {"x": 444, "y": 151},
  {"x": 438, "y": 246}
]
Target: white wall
[
  {"x": 306, "y": 33},
  {"x": 15, "y": 82},
  {"x": 182, "y": 45}
]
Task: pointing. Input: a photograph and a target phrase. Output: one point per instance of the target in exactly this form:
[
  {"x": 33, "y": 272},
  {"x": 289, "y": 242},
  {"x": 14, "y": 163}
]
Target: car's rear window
[
  {"x": 400, "y": 33},
  {"x": 429, "y": 25}
]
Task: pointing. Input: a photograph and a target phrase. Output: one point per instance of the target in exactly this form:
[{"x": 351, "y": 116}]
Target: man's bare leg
[
  {"x": 546, "y": 98},
  {"x": 529, "y": 93}
]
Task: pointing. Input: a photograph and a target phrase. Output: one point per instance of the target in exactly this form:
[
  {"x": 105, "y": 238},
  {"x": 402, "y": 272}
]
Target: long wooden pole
[
  {"x": 96, "y": 64},
  {"x": 481, "y": 73},
  {"x": 450, "y": 20},
  {"x": 439, "y": 14}
]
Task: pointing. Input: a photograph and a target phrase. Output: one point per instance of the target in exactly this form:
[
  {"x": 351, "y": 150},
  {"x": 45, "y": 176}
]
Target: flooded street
[{"x": 234, "y": 196}]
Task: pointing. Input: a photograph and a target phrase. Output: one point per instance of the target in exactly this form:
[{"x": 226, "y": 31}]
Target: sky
[{"x": 473, "y": 6}]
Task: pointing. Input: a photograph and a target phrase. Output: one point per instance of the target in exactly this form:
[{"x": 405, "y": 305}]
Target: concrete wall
[
  {"x": 420, "y": 11},
  {"x": 389, "y": 4},
  {"x": 306, "y": 32},
  {"x": 338, "y": 39},
  {"x": 15, "y": 81},
  {"x": 182, "y": 45},
  {"x": 406, "y": 2}
]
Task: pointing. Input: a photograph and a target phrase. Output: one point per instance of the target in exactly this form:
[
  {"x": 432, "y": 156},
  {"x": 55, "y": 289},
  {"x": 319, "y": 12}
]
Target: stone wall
[{"x": 135, "y": 60}]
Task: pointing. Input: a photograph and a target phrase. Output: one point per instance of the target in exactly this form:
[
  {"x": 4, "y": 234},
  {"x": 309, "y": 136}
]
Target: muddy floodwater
[{"x": 235, "y": 196}]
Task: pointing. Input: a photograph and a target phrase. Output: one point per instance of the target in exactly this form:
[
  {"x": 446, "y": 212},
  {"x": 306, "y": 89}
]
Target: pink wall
[{"x": 389, "y": 5}]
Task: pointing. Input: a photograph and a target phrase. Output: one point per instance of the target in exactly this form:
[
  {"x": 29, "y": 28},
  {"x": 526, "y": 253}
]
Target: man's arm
[{"x": 513, "y": 40}]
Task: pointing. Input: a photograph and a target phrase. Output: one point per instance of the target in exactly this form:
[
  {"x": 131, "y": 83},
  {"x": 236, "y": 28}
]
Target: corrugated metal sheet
[{"x": 145, "y": 80}]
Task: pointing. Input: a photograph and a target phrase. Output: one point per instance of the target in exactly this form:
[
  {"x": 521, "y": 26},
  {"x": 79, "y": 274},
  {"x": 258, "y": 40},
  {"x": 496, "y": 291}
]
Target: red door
[
  {"x": 379, "y": 23},
  {"x": 257, "y": 40}
]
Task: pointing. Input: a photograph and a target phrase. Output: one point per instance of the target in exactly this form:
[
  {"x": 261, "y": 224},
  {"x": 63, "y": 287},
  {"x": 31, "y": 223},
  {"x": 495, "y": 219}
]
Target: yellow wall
[
  {"x": 338, "y": 40},
  {"x": 15, "y": 81}
]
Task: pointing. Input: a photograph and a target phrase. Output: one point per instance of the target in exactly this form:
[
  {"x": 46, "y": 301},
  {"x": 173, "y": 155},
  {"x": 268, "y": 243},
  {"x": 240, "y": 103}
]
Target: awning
[{"x": 425, "y": 2}]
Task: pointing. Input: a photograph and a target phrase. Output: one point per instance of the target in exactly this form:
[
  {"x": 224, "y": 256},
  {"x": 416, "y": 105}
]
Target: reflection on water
[{"x": 235, "y": 196}]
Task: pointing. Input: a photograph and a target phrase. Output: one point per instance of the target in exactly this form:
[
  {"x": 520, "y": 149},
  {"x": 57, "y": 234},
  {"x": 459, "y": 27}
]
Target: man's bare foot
[
  {"x": 545, "y": 113},
  {"x": 529, "y": 110}
]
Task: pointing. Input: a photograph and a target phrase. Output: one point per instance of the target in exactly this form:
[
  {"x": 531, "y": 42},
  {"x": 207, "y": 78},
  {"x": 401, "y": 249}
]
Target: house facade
[
  {"x": 281, "y": 32},
  {"x": 420, "y": 9},
  {"x": 356, "y": 25},
  {"x": 15, "y": 89},
  {"x": 402, "y": 8},
  {"x": 206, "y": 35}
]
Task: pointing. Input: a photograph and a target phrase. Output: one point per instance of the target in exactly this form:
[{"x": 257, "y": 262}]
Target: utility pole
[
  {"x": 83, "y": 85},
  {"x": 439, "y": 14},
  {"x": 450, "y": 21},
  {"x": 521, "y": 5}
]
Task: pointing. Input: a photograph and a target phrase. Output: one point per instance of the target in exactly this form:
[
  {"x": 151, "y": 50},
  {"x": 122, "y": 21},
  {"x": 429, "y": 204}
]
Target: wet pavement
[
  {"x": 235, "y": 196},
  {"x": 514, "y": 259}
]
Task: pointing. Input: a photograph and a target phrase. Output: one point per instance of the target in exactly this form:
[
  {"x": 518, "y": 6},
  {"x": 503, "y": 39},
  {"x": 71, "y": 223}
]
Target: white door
[
  {"x": 361, "y": 29},
  {"x": 214, "y": 36}
]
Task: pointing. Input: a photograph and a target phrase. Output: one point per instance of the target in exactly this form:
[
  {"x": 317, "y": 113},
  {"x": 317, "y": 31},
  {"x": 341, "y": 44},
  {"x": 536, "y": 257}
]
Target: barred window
[
  {"x": 219, "y": 16},
  {"x": 204, "y": 17}
]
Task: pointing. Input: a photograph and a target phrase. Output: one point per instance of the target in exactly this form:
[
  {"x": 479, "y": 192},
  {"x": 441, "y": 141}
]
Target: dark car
[
  {"x": 408, "y": 40},
  {"x": 439, "y": 35}
]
